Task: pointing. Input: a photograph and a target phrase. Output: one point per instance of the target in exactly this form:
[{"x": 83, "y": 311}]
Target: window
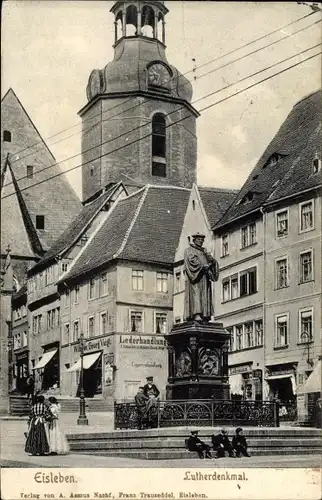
[
  {"x": 91, "y": 288},
  {"x": 103, "y": 285},
  {"x": 91, "y": 326},
  {"x": 66, "y": 333},
  {"x": 248, "y": 282},
  {"x": 306, "y": 267},
  {"x": 282, "y": 330},
  {"x": 178, "y": 282},
  {"x": 58, "y": 315},
  {"x": 316, "y": 165},
  {"x": 239, "y": 337},
  {"x": 76, "y": 331},
  {"x": 162, "y": 282},
  {"x": 306, "y": 216},
  {"x": 177, "y": 320},
  {"x": 159, "y": 145},
  {"x": 248, "y": 235},
  {"x": 282, "y": 224},
  {"x": 160, "y": 323},
  {"x": 67, "y": 302},
  {"x": 6, "y": 136},
  {"x": 306, "y": 325},
  {"x": 249, "y": 335},
  {"x": 259, "y": 332},
  {"x": 231, "y": 339},
  {"x": 193, "y": 205},
  {"x": 24, "y": 338},
  {"x": 224, "y": 245},
  {"x": 226, "y": 290},
  {"x": 49, "y": 319},
  {"x": 137, "y": 280},
  {"x": 234, "y": 287},
  {"x": 136, "y": 318},
  {"x": 103, "y": 328},
  {"x": 30, "y": 171},
  {"x": 64, "y": 267},
  {"x": 24, "y": 311},
  {"x": 40, "y": 222},
  {"x": 37, "y": 324},
  {"x": 281, "y": 273},
  {"x": 76, "y": 294}
]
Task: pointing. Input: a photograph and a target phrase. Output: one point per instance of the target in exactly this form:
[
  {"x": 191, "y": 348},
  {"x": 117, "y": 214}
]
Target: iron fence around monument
[{"x": 177, "y": 413}]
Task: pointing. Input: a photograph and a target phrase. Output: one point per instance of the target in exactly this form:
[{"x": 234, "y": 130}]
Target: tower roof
[{"x": 139, "y": 44}]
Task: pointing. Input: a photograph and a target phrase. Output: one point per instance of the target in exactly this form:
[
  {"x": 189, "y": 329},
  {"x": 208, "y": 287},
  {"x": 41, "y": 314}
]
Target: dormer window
[
  {"x": 40, "y": 222},
  {"x": 6, "y": 136},
  {"x": 273, "y": 159},
  {"x": 248, "y": 198},
  {"x": 316, "y": 165},
  {"x": 30, "y": 171}
]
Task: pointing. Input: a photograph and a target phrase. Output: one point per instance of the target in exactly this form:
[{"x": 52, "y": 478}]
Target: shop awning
[
  {"x": 313, "y": 383},
  {"x": 46, "y": 357},
  {"x": 236, "y": 384},
  {"x": 285, "y": 375},
  {"x": 88, "y": 361}
]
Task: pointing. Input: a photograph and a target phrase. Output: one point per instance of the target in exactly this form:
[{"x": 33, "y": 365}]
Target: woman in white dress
[{"x": 57, "y": 441}]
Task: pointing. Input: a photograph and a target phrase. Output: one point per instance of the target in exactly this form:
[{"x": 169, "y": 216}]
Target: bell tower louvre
[{"x": 139, "y": 126}]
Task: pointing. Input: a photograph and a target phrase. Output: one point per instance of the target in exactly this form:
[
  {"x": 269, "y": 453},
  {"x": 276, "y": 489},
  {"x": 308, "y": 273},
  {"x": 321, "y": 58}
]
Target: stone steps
[{"x": 170, "y": 443}]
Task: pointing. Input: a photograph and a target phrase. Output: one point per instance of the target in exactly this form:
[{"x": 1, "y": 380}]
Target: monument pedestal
[{"x": 198, "y": 361}]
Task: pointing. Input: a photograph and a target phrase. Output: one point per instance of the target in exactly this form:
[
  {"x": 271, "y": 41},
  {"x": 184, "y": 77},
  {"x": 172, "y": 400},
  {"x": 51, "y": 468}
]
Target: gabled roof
[
  {"x": 48, "y": 192},
  {"x": 216, "y": 202},
  {"x": 291, "y": 140},
  {"x": 77, "y": 227},
  {"x": 17, "y": 229},
  {"x": 143, "y": 227}
]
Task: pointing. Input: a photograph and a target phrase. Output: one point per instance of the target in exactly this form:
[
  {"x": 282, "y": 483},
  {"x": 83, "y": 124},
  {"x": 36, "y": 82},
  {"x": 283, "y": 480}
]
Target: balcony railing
[{"x": 199, "y": 413}]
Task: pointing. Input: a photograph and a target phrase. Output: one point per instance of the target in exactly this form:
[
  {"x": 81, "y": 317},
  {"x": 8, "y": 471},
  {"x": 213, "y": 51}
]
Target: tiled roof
[
  {"x": 216, "y": 202},
  {"x": 290, "y": 142},
  {"x": 145, "y": 226},
  {"x": 77, "y": 227}
]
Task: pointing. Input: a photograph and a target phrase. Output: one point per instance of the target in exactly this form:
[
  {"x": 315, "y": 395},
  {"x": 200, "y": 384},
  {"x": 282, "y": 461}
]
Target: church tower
[{"x": 139, "y": 126}]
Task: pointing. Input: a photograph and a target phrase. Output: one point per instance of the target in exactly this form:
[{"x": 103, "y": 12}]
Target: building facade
[{"x": 270, "y": 244}]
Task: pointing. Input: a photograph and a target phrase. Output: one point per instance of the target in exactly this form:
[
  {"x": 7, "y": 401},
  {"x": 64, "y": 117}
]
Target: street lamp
[
  {"x": 82, "y": 419},
  {"x": 306, "y": 339}
]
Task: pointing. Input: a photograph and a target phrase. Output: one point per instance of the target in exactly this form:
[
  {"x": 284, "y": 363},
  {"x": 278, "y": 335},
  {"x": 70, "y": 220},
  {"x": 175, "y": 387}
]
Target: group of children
[
  {"x": 44, "y": 436},
  {"x": 221, "y": 444}
]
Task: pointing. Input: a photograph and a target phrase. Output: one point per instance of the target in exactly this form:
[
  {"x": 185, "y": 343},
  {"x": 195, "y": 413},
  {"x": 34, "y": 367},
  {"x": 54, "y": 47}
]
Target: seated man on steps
[
  {"x": 193, "y": 443},
  {"x": 153, "y": 393},
  {"x": 239, "y": 443},
  {"x": 222, "y": 444}
]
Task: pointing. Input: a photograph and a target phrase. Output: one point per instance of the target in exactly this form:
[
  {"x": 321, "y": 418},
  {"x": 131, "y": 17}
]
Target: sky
[{"x": 49, "y": 49}]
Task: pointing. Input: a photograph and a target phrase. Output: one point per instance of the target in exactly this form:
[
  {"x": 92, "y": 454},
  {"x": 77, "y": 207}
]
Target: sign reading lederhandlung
[{"x": 142, "y": 342}]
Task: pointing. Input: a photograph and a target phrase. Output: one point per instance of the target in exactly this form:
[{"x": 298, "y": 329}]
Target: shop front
[
  {"x": 46, "y": 370},
  {"x": 245, "y": 383},
  {"x": 137, "y": 357},
  {"x": 281, "y": 385},
  {"x": 98, "y": 368},
  {"x": 21, "y": 370}
]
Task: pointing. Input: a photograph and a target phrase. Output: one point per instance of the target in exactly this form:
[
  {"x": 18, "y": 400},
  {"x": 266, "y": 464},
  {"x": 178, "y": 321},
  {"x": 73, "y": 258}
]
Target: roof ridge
[
  {"x": 221, "y": 190},
  {"x": 32, "y": 234},
  {"x": 135, "y": 216},
  {"x": 133, "y": 194},
  {"x": 90, "y": 239},
  {"x": 167, "y": 186},
  {"x": 203, "y": 210}
]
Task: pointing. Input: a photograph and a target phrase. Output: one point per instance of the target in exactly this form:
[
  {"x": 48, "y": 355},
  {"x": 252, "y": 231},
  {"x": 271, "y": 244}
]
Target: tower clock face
[{"x": 158, "y": 75}]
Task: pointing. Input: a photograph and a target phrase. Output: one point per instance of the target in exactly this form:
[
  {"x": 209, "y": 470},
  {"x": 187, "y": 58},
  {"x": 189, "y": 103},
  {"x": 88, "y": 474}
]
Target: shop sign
[
  {"x": 281, "y": 372},
  {"x": 234, "y": 370},
  {"x": 22, "y": 356},
  {"x": 92, "y": 345},
  {"x": 142, "y": 342}
]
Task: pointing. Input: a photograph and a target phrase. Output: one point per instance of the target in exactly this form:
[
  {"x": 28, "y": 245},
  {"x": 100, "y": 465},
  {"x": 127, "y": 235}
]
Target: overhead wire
[
  {"x": 179, "y": 76},
  {"x": 183, "y": 118}
]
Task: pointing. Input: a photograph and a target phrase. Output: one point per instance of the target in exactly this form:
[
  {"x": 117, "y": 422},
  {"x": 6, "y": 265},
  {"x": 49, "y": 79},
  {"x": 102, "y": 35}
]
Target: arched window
[
  {"x": 159, "y": 145},
  {"x": 147, "y": 23},
  {"x": 119, "y": 26},
  {"x": 6, "y": 136},
  {"x": 131, "y": 20}
]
